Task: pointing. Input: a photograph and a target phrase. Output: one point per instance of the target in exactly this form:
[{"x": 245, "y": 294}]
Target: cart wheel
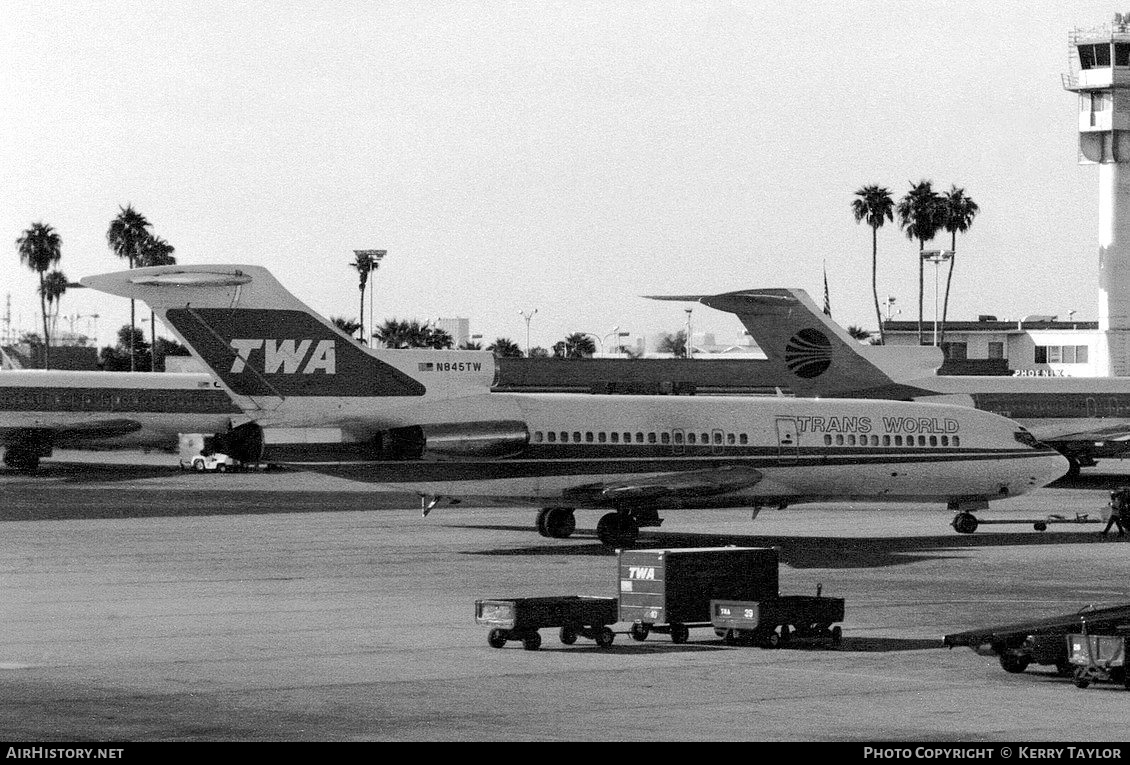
[
  {"x": 604, "y": 637},
  {"x": 568, "y": 636},
  {"x": 837, "y": 636},
  {"x": 730, "y": 637},
  {"x": 770, "y": 640},
  {"x": 495, "y": 638},
  {"x": 532, "y": 641},
  {"x": 1012, "y": 663},
  {"x": 1081, "y": 679},
  {"x": 639, "y": 631},
  {"x": 679, "y": 633}
]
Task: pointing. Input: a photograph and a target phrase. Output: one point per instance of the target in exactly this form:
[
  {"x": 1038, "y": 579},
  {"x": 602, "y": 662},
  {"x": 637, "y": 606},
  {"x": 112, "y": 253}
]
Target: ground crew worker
[{"x": 1118, "y": 508}]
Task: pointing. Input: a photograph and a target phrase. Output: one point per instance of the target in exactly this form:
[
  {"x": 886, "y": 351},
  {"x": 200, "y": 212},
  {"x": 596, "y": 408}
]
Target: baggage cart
[
  {"x": 774, "y": 621},
  {"x": 520, "y": 619},
  {"x": 1098, "y": 658},
  {"x": 669, "y": 590}
]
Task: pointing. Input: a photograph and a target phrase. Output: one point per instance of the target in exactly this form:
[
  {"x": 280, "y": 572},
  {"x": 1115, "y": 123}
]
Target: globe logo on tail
[{"x": 808, "y": 353}]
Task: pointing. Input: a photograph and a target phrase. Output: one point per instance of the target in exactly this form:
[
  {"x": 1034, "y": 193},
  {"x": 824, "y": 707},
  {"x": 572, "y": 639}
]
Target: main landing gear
[
  {"x": 621, "y": 528},
  {"x": 965, "y": 523},
  {"x": 556, "y": 522}
]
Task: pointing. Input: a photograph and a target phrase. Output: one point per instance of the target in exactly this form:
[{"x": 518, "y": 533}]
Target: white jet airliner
[
  {"x": 426, "y": 421},
  {"x": 43, "y": 409}
]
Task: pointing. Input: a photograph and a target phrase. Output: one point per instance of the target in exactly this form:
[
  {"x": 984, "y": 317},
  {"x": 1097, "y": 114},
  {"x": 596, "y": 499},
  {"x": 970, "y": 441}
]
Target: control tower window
[
  {"x": 1122, "y": 54},
  {"x": 1087, "y": 56},
  {"x": 1092, "y": 56}
]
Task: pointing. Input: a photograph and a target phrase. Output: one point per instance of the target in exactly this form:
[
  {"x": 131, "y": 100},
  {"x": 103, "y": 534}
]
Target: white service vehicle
[{"x": 213, "y": 462}]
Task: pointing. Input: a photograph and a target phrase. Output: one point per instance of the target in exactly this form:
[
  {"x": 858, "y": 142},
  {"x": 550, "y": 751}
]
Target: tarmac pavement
[{"x": 141, "y": 603}]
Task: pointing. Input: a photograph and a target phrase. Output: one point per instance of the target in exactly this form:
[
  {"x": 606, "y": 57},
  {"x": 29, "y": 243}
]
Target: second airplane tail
[{"x": 814, "y": 355}]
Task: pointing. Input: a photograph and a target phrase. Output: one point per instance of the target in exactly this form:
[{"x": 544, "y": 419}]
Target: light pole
[
  {"x": 367, "y": 261},
  {"x": 936, "y": 257},
  {"x": 527, "y": 317},
  {"x": 890, "y": 303},
  {"x": 616, "y": 333},
  {"x": 690, "y": 350}
]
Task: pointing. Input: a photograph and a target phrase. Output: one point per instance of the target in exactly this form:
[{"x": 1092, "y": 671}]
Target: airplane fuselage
[
  {"x": 803, "y": 451},
  {"x": 105, "y": 409}
]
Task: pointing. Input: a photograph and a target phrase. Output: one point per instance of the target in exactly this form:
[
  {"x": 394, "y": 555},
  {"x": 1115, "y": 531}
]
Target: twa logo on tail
[{"x": 286, "y": 355}]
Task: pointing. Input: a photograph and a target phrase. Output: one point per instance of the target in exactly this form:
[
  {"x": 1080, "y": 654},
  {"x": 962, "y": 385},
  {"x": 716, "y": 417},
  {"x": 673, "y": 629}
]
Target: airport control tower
[{"x": 1100, "y": 73}]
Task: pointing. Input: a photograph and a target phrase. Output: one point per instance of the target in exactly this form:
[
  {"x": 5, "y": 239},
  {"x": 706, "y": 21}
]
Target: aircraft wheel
[
  {"x": 495, "y": 638},
  {"x": 531, "y": 641},
  {"x": 964, "y": 523},
  {"x": 604, "y": 637},
  {"x": 560, "y": 523},
  {"x": 679, "y": 633},
  {"x": 617, "y": 530},
  {"x": 639, "y": 631},
  {"x": 1012, "y": 663},
  {"x": 568, "y": 636},
  {"x": 543, "y": 514}
]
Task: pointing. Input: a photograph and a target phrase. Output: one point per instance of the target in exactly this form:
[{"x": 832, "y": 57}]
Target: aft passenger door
[{"x": 788, "y": 451}]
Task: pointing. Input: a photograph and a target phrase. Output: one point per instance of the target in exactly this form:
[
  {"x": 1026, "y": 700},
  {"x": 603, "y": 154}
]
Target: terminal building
[{"x": 1032, "y": 346}]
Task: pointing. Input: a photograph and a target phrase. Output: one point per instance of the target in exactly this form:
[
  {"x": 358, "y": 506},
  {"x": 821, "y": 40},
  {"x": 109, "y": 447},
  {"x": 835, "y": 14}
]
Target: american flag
[{"x": 827, "y": 300}]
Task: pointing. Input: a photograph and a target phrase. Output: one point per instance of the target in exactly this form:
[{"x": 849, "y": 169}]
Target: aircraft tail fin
[
  {"x": 815, "y": 356},
  {"x": 265, "y": 345}
]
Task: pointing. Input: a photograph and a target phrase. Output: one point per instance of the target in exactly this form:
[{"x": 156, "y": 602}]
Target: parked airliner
[
  {"x": 42, "y": 409},
  {"x": 426, "y": 421},
  {"x": 1084, "y": 418}
]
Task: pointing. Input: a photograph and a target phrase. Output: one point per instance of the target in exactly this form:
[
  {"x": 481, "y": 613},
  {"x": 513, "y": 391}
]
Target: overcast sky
[{"x": 563, "y": 156}]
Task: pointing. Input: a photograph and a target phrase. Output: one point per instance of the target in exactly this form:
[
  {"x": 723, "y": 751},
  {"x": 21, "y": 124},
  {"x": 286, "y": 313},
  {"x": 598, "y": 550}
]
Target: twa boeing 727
[{"x": 426, "y": 421}]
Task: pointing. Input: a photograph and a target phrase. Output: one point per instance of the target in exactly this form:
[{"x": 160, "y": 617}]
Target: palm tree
[
  {"x": 40, "y": 248},
  {"x": 54, "y": 286},
  {"x": 348, "y": 326},
  {"x": 155, "y": 251},
  {"x": 364, "y": 265},
  {"x": 675, "y": 344},
  {"x": 412, "y": 334},
  {"x": 859, "y": 333},
  {"x": 126, "y": 236},
  {"x": 576, "y": 346},
  {"x": 874, "y": 205},
  {"x": 960, "y": 211},
  {"x": 921, "y": 216},
  {"x": 504, "y": 347}
]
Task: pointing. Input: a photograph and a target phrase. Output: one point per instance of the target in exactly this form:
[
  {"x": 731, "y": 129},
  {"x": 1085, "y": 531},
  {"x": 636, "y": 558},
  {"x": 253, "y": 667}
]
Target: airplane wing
[
  {"x": 684, "y": 485},
  {"x": 79, "y": 431}
]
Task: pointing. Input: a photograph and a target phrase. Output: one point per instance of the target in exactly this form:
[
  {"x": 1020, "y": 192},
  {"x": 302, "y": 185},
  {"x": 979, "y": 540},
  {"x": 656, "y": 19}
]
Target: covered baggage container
[{"x": 669, "y": 590}]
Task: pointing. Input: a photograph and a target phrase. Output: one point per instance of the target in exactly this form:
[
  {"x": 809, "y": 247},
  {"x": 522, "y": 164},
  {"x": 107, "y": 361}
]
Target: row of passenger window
[
  {"x": 850, "y": 440},
  {"x": 718, "y": 438}
]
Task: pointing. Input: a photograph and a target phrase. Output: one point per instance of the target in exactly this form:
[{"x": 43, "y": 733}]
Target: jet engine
[
  {"x": 243, "y": 443},
  {"x": 455, "y": 441}
]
